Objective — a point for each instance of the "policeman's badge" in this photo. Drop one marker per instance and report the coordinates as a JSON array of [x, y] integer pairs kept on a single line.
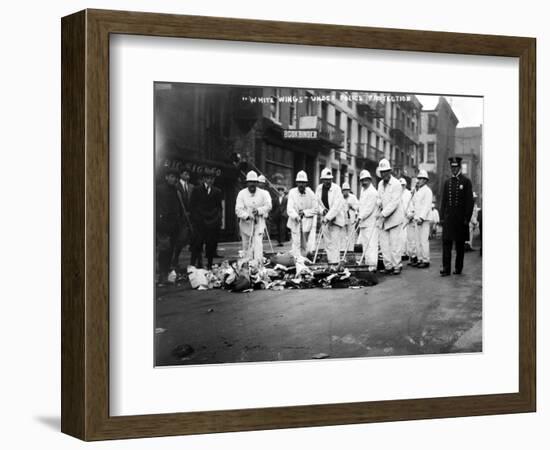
[[461, 186]]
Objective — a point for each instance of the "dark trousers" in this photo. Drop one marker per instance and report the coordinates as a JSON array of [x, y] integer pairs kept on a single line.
[[166, 243], [184, 238], [281, 229], [447, 250], [207, 238]]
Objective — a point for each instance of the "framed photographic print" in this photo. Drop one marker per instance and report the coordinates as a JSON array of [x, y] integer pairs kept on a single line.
[[271, 224]]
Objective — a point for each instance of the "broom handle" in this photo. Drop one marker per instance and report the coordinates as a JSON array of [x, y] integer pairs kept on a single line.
[[348, 240], [367, 247], [321, 234], [268, 238], [251, 242]]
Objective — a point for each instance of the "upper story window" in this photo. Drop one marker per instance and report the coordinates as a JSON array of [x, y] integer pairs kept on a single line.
[[292, 116], [324, 111], [310, 109], [275, 106], [431, 152], [432, 123]]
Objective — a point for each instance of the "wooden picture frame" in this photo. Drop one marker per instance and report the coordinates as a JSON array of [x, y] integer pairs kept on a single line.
[[85, 224]]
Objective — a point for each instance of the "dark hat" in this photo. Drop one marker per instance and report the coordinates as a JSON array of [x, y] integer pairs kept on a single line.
[[171, 171], [455, 161]]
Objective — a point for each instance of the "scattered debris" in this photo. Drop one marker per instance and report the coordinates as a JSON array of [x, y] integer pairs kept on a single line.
[[284, 259], [197, 277], [172, 276], [349, 339], [182, 350], [320, 356], [279, 271]]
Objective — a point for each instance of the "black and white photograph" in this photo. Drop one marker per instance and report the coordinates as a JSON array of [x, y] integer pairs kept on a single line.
[[296, 223]]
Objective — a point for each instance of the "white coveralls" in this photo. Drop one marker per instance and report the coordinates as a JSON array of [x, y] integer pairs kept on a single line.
[[392, 216], [423, 210], [300, 229], [351, 206], [434, 221], [473, 224], [408, 233], [252, 228], [368, 231], [333, 228]]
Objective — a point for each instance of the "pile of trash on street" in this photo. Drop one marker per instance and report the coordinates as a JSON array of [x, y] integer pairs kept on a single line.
[[277, 272]]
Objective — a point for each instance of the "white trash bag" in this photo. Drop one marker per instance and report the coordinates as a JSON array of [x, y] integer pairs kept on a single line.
[[197, 277]]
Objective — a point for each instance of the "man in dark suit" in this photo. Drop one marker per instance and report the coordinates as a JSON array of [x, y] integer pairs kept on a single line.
[[184, 189], [457, 203], [280, 216], [206, 217], [168, 221], [271, 221]]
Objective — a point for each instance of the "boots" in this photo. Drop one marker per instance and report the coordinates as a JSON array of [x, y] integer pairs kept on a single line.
[[196, 260], [413, 262]]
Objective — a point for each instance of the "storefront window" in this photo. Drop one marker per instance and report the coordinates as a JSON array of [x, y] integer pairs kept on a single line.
[[279, 165]]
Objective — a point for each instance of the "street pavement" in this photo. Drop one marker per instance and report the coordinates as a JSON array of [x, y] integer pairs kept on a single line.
[[417, 312]]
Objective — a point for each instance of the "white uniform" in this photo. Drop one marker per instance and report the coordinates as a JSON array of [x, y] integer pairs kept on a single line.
[[422, 210], [335, 215], [351, 206], [368, 231], [301, 229], [434, 220], [252, 229], [408, 233], [434, 216], [473, 224], [389, 196]]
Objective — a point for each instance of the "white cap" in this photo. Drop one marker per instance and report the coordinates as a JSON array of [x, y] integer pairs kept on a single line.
[[346, 186], [474, 194], [251, 176], [301, 176], [422, 174], [262, 179], [403, 181], [383, 165], [326, 174], [364, 174]]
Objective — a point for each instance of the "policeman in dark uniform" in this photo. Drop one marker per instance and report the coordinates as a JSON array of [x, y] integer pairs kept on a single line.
[[457, 205]]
